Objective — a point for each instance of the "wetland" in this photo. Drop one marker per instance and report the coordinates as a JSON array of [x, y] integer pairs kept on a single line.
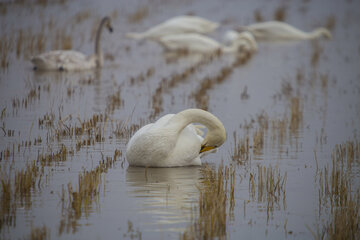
[[289, 169]]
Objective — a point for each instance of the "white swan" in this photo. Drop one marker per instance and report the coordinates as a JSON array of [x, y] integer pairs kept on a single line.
[[280, 31], [246, 37], [177, 25], [70, 60], [197, 43], [173, 140]]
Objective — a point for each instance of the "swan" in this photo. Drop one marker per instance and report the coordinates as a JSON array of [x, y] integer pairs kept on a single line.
[[197, 43], [177, 25], [70, 60], [248, 39], [280, 31], [174, 141]]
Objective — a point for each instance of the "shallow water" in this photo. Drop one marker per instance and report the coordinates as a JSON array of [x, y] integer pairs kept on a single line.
[[307, 93]]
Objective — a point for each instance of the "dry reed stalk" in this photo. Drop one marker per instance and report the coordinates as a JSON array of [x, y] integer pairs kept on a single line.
[[216, 196]]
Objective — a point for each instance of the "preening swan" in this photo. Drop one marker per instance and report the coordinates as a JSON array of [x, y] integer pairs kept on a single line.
[[246, 37], [173, 140], [197, 43], [280, 31], [70, 60], [177, 25]]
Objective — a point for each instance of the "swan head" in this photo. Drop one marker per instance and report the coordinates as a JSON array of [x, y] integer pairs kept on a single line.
[[322, 32], [107, 22], [214, 139]]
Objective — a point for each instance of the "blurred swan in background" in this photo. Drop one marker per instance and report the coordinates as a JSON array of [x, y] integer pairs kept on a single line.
[[249, 41], [197, 43], [177, 25], [174, 141], [280, 31], [70, 60]]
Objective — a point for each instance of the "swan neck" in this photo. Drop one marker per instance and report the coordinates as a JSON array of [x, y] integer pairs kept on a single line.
[[186, 117], [98, 51]]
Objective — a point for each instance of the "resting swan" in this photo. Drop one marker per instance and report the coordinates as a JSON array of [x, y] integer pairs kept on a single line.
[[177, 25], [173, 141], [70, 60], [280, 31], [197, 43]]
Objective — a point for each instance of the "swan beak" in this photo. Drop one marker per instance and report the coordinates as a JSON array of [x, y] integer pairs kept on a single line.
[[111, 29], [206, 148]]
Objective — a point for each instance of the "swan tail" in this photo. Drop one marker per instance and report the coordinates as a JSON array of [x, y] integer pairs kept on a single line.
[[135, 35]]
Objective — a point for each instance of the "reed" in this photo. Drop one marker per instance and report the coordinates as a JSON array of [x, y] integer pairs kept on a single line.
[[139, 15], [114, 101], [280, 14], [339, 193], [258, 141], [40, 233], [174, 80], [268, 185], [216, 204], [241, 152], [258, 16], [87, 192]]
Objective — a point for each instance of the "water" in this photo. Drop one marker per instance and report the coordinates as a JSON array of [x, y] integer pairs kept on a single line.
[[310, 106]]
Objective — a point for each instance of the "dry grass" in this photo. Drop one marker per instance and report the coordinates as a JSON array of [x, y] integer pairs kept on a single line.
[[241, 152], [269, 186], [40, 233], [338, 193], [316, 53], [173, 81], [296, 116], [49, 159], [17, 192], [216, 204], [114, 101], [258, 16], [82, 16], [6, 45], [331, 23], [138, 16], [280, 14], [81, 200], [258, 142]]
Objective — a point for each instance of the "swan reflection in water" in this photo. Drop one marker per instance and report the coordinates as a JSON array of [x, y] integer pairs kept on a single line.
[[167, 194]]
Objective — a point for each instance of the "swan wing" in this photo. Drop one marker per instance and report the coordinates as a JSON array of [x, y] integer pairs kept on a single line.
[[190, 42], [275, 31], [187, 148], [157, 146], [177, 25], [63, 59]]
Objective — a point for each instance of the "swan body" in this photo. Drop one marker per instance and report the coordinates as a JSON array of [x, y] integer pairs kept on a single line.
[[280, 31], [246, 38], [177, 25], [69, 60], [174, 140], [196, 43]]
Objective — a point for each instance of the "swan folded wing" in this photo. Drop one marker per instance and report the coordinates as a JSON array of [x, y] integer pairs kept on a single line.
[[72, 60], [190, 42], [62, 59]]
